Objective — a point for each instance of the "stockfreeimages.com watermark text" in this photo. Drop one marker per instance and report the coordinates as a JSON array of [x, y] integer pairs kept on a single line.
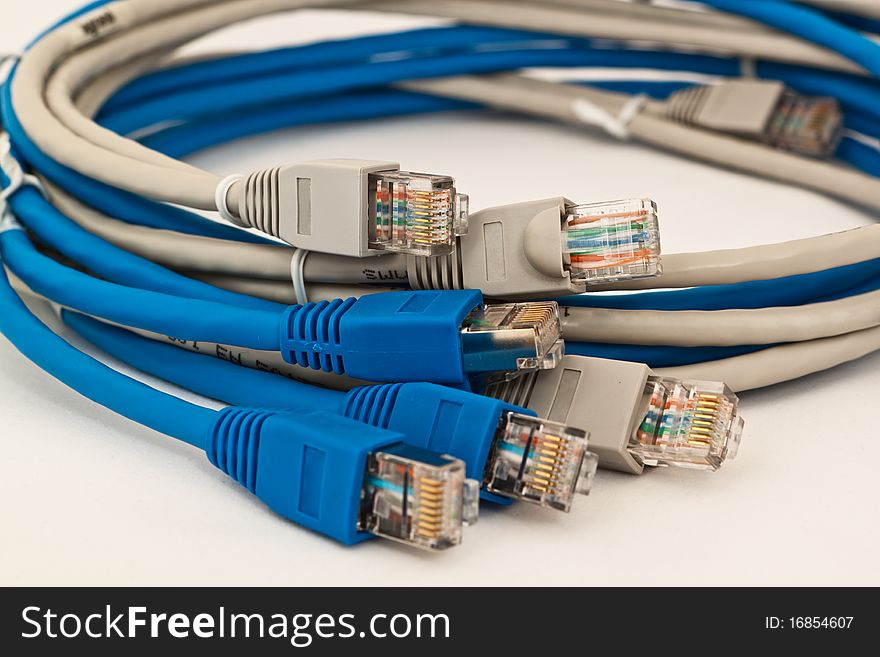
[[299, 629]]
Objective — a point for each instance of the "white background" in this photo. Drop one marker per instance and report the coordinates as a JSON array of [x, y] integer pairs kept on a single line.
[[87, 497]]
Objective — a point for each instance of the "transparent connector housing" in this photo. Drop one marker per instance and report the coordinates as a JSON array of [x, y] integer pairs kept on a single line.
[[512, 337], [808, 125], [690, 424], [418, 497], [417, 213], [539, 461], [612, 241]]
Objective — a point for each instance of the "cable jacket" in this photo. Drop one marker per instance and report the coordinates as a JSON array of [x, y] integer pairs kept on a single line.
[[117, 392], [204, 374]]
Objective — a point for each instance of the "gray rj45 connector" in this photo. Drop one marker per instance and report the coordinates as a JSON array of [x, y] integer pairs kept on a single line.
[[762, 110], [354, 208], [634, 417], [546, 248]]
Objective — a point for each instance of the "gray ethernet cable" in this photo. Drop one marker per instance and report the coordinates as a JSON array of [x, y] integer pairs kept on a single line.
[[546, 248], [354, 208], [762, 110], [634, 417]]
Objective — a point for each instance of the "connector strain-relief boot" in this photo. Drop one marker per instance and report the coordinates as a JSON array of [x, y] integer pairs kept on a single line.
[[234, 443]]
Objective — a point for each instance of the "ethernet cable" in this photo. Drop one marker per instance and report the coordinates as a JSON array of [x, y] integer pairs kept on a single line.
[[825, 252], [271, 361], [325, 472], [161, 312], [444, 336], [212, 255], [782, 363], [379, 206], [195, 253], [515, 455]]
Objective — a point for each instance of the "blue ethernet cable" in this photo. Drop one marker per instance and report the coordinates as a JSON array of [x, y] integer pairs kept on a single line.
[[132, 399], [201, 373], [653, 355], [828, 284], [312, 467], [210, 129], [425, 42], [657, 356], [863, 123], [863, 156], [238, 94], [442, 336], [113, 263], [860, 23], [810, 25], [207, 131], [113, 202], [163, 313], [464, 425], [577, 53]]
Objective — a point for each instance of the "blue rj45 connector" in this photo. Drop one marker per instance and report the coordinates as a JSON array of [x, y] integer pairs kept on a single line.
[[439, 336], [342, 478]]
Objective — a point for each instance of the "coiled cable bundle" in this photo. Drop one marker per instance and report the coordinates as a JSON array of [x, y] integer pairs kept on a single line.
[[103, 217]]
